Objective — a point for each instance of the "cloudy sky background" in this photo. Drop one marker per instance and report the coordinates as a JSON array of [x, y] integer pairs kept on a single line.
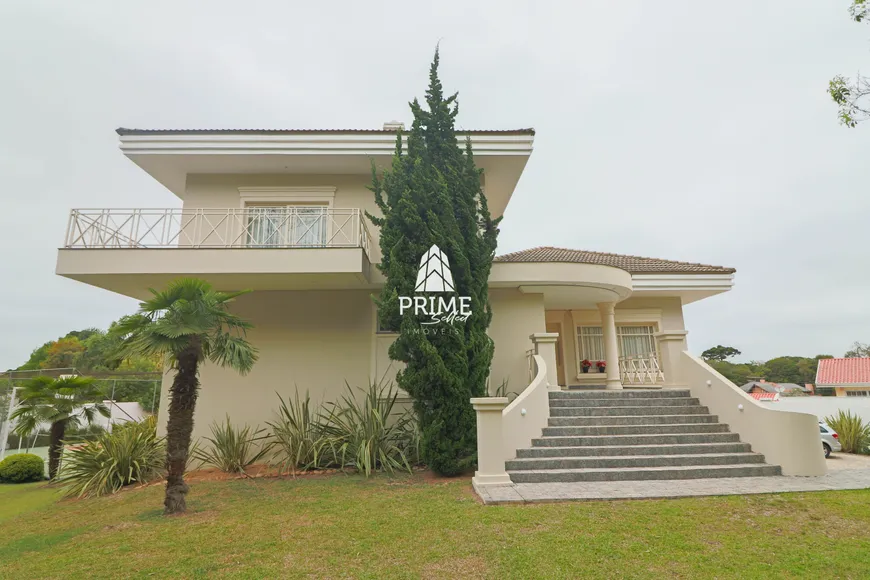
[[695, 131]]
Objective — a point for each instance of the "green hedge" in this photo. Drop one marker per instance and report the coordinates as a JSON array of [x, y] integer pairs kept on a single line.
[[21, 468]]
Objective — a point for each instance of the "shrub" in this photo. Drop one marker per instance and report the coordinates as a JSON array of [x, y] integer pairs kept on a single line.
[[297, 436], [364, 436], [854, 433], [21, 468], [233, 450], [131, 454]]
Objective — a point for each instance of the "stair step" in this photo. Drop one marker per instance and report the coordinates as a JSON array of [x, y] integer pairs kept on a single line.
[[623, 394], [630, 420], [660, 429], [626, 402], [634, 450], [643, 473], [659, 439], [623, 461], [623, 411]]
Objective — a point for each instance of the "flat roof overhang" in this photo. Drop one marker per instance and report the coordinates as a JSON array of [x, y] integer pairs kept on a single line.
[[169, 156], [689, 287], [132, 272]]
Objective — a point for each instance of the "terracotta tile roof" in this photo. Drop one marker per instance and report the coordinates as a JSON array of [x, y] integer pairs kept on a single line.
[[126, 131], [843, 371], [764, 396], [631, 264]]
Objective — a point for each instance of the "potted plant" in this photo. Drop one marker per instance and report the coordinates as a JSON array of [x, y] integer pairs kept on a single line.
[[601, 366], [585, 365]]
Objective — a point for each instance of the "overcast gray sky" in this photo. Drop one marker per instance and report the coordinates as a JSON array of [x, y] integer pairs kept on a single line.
[[688, 130]]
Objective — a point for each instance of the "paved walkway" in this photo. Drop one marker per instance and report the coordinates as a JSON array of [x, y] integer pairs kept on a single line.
[[842, 478]]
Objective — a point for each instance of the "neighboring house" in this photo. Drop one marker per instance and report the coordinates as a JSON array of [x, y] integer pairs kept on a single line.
[[764, 396], [282, 212], [848, 377], [766, 387]]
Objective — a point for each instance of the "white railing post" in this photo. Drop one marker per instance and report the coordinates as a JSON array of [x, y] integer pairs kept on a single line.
[[490, 442]]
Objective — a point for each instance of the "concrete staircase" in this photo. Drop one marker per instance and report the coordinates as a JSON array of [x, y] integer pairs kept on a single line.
[[633, 435]]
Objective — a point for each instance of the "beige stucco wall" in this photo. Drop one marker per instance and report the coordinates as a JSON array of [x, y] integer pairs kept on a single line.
[[222, 191], [313, 340], [515, 316], [318, 339]]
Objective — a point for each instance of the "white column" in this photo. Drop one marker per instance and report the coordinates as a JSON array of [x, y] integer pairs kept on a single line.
[[611, 347], [671, 345], [490, 442], [545, 347]]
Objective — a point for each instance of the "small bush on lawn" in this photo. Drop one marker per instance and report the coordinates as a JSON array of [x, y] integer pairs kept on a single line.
[[231, 449], [132, 453], [362, 434], [853, 431], [22, 468], [297, 435]]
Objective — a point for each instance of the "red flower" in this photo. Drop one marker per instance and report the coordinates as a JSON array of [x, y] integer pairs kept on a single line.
[[586, 363], [601, 364]]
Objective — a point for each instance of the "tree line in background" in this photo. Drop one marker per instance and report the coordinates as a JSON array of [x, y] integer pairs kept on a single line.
[[98, 352], [783, 369]]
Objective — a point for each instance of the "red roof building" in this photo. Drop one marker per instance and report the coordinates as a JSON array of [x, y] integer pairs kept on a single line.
[[847, 376]]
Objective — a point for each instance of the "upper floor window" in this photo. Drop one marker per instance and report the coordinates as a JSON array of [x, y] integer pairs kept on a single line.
[[287, 225]]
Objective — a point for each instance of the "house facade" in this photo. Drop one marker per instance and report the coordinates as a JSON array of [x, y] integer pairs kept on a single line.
[[283, 213], [847, 377]]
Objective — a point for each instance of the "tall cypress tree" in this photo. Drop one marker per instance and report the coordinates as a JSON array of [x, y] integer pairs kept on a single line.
[[432, 195]]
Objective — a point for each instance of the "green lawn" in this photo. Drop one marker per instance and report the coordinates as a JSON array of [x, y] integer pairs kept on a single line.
[[342, 527]]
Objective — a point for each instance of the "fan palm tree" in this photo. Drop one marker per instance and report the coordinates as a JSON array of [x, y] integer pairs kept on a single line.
[[189, 322], [62, 402]]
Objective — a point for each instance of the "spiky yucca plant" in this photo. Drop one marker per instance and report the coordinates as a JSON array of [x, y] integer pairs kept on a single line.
[[232, 449], [367, 434], [133, 453], [853, 431], [297, 435]]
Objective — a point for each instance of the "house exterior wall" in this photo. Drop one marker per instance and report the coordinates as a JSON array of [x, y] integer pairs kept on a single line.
[[310, 340], [515, 316], [317, 340]]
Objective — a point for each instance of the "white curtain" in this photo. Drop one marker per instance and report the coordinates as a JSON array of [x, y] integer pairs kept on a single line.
[[267, 226], [636, 340], [286, 226], [591, 341], [309, 226], [632, 340]]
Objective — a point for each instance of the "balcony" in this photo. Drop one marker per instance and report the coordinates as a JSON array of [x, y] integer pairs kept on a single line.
[[264, 248]]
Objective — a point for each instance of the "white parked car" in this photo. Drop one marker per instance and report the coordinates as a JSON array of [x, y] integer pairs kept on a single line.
[[830, 439]]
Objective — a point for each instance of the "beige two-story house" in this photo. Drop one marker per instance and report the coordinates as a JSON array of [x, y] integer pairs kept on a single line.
[[282, 212]]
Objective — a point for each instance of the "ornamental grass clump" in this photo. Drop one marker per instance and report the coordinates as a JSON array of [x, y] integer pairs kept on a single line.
[[297, 436], [366, 434], [132, 453], [854, 433], [232, 449]]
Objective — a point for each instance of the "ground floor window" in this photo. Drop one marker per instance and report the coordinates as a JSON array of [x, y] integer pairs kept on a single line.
[[858, 393], [634, 340]]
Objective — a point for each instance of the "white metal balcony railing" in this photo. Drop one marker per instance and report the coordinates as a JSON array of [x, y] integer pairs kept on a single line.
[[640, 370], [260, 227]]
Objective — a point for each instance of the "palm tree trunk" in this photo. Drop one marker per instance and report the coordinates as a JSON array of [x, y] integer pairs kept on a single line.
[[182, 401], [55, 447]]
